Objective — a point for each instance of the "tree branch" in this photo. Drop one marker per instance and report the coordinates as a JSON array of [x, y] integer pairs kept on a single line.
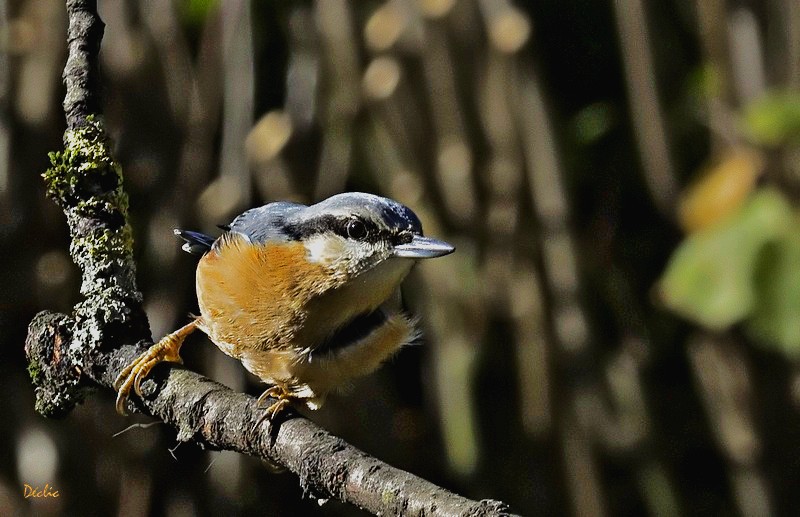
[[81, 75], [68, 355]]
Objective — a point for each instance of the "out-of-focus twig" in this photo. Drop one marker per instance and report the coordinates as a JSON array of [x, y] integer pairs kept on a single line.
[[40, 25], [335, 22], [723, 376], [454, 157], [746, 55], [646, 112], [581, 470], [568, 319], [231, 190], [507, 122]]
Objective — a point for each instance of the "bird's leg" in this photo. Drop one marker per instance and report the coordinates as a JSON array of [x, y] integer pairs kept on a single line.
[[279, 392], [165, 350]]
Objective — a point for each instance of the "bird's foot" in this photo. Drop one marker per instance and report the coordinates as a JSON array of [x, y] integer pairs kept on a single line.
[[167, 349], [277, 392]]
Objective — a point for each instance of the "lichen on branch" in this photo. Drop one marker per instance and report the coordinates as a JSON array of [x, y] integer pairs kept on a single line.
[[86, 182]]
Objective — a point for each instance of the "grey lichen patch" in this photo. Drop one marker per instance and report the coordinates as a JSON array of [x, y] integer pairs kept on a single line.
[[95, 320], [104, 256]]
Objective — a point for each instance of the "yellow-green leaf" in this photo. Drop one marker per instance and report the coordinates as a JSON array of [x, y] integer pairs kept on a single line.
[[776, 317], [774, 119], [711, 277]]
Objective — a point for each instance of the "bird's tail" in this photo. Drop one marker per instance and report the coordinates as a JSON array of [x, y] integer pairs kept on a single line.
[[195, 243]]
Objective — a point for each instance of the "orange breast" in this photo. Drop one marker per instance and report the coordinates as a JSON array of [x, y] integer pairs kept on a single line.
[[253, 297], [267, 306]]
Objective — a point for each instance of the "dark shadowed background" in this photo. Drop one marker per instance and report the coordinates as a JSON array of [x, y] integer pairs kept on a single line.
[[619, 330]]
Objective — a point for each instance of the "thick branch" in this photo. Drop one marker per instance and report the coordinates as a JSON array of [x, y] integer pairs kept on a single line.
[[109, 329]]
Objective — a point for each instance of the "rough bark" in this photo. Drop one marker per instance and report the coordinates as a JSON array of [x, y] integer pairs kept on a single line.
[[70, 355]]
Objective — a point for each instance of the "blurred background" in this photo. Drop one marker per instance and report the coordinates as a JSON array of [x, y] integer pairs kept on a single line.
[[619, 330]]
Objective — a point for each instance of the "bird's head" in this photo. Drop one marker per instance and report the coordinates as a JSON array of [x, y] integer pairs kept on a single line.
[[354, 232]]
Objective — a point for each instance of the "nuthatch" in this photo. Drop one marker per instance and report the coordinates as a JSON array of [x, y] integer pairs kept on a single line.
[[301, 295]]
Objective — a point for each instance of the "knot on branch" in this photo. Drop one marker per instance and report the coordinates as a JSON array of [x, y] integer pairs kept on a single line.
[[58, 381]]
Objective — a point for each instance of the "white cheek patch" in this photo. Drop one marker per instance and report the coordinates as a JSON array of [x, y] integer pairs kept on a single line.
[[326, 248]]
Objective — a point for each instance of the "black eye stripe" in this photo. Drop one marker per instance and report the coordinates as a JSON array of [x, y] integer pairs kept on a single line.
[[342, 226]]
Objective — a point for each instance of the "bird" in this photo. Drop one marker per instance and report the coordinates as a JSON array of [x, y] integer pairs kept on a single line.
[[306, 297]]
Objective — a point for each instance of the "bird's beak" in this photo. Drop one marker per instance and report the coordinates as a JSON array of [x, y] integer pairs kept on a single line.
[[423, 247]]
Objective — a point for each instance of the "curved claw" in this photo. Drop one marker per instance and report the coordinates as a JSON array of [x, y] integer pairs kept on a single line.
[[141, 373], [272, 392], [122, 398], [284, 399]]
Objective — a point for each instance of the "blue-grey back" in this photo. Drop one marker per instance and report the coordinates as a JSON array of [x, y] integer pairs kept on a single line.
[[266, 222]]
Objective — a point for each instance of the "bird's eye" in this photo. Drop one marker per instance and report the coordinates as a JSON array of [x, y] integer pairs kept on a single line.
[[356, 229]]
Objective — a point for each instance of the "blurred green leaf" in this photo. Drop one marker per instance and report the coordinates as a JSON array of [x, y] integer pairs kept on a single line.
[[195, 12], [774, 119], [705, 82], [711, 277], [776, 317], [593, 122]]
